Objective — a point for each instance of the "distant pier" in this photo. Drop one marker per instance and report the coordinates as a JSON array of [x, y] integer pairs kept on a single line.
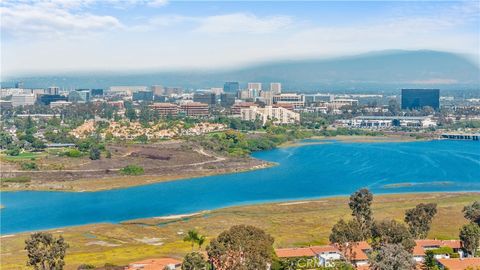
[[461, 136]]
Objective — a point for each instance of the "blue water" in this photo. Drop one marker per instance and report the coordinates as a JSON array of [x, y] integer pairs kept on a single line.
[[304, 172]]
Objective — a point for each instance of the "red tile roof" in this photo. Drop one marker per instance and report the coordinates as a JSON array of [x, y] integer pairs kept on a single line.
[[294, 252], [460, 264], [419, 249], [304, 251]]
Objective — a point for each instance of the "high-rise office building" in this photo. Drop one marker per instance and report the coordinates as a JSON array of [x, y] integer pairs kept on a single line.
[[231, 87], [255, 86], [419, 98], [276, 88]]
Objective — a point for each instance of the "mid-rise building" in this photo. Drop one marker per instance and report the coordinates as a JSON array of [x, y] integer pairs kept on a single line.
[[60, 104], [255, 86], [79, 96], [205, 97], [227, 99], [158, 90], [277, 115], [339, 103], [231, 87], [173, 91], [125, 90], [165, 109], [96, 92], [53, 90], [195, 109], [382, 122], [23, 100], [298, 101], [276, 88], [414, 99], [238, 106], [142, 96], [19, 85], [47, 99]]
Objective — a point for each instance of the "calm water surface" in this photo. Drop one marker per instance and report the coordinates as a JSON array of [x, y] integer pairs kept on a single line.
[[304, 172]]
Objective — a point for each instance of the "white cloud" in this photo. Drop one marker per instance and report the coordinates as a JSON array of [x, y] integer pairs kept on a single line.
[[242, 23], [53, 18], [157, 3]]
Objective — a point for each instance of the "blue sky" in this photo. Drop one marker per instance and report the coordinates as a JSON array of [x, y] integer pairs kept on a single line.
[[109, 35]]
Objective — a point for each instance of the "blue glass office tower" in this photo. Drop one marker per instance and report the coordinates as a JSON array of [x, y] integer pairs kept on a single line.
[[419, 98], [231, 87]]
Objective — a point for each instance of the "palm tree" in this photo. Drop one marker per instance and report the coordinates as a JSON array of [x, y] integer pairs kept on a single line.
[[192, 236], [201, 239]]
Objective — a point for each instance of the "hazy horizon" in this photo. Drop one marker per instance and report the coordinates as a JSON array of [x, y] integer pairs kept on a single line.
[[59, 36]]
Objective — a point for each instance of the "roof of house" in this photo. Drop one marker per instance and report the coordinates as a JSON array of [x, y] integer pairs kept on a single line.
[[153, 264], [304, 251], [460, 264], [294, 252], [419, 249]]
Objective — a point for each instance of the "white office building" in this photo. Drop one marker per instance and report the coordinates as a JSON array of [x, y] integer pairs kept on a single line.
[[255, 86], [23, 99], [276, 88], [269, 113]]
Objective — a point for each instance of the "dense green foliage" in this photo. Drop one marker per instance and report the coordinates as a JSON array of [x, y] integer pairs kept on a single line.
[[242, 247], [420, 218], [29, 166], [194, 261], [132, 170], [472, 212], [470, 236], [361, 206], [45, 252]]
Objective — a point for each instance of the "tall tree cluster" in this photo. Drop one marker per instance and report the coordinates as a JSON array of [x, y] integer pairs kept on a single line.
[[420, 218]]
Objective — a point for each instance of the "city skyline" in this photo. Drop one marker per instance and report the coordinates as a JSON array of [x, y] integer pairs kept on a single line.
[[59, 36]]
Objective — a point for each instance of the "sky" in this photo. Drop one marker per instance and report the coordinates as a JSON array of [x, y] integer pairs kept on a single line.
[[48, 36]]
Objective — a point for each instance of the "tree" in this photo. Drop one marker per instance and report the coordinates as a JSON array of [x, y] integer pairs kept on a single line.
[[94, 153], [472, 212], [242, 247], [192, 236], [360, 203], [5, 139], [391, 257], [38, 145], [194, 261], [45, 252], [420, 218], [391, 232], [430, 263], [345, 235], [470, 236]]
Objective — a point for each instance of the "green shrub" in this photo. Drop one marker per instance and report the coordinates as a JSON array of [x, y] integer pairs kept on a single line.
[[13, 151], [19, 179], [29, 166], [73, 153], [132, 170]]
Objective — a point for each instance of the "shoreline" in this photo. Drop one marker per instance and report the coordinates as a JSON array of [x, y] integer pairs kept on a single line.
[[353, 139], [279, 202], [292, 223]]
